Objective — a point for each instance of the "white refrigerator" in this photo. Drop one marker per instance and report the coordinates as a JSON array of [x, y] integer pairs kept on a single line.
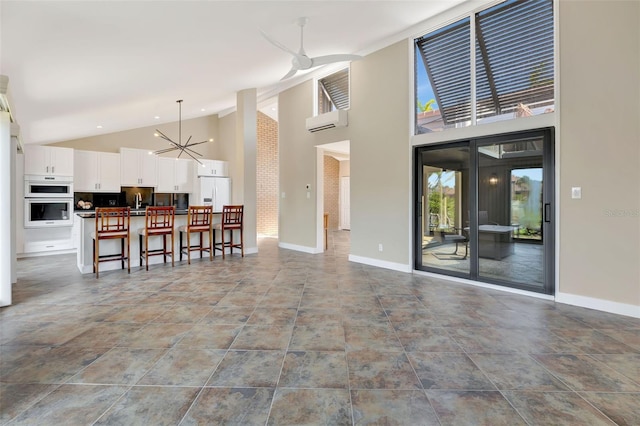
[[212, 191]]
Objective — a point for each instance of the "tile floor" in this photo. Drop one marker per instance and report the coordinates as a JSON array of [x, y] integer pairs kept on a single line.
[[284, 337]]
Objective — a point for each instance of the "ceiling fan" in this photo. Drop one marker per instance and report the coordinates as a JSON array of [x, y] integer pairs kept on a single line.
[[300, 59]]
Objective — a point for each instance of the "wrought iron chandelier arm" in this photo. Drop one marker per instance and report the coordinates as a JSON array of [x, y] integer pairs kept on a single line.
[[183, 148]]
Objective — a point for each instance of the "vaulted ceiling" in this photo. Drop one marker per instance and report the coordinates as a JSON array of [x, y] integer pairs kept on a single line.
[[74, 66]]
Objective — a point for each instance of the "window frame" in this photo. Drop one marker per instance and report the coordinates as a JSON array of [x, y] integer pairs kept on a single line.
[[472, 14], [317, 81]]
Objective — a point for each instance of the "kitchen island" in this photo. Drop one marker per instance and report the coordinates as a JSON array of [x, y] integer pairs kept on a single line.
[[87, 225]]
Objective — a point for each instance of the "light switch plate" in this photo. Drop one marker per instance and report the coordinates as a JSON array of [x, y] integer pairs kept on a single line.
[[576, 192]]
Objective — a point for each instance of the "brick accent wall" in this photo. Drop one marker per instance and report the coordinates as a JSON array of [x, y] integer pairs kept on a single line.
[[267, 176], [331, 190]]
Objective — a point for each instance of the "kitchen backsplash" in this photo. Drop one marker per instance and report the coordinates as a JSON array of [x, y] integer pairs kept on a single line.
[[127, 197]]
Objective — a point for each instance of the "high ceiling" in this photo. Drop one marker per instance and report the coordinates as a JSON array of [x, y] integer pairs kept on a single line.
[[74, 66]]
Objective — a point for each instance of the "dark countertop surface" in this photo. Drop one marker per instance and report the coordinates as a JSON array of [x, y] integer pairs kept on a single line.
[[87, 214]]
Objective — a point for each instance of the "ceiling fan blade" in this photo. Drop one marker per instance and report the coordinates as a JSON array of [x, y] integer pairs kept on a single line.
[[329, 59], [291, 72], [277, 44]]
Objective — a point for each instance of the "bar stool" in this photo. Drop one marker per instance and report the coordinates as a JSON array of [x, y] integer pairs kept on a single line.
[[158, 222], [231, 220], [111, 223], [199, 221]]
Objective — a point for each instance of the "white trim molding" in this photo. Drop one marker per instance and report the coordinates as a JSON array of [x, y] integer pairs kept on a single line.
[[401, 267], [599, 304], [304, 249], [484, 285]]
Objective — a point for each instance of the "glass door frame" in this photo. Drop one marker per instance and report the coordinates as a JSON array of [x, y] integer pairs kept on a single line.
[[548, 210]]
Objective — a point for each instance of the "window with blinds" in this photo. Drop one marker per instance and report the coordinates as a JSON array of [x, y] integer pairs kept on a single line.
[[514, 66], [333, 92]]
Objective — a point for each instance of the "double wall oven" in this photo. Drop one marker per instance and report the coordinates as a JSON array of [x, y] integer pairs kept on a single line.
[[48, 201]]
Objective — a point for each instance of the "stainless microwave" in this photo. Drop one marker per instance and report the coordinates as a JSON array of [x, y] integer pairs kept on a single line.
[[48, 212], [48, 186]]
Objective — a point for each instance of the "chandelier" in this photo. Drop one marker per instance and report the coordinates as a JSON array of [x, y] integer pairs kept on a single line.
[[186, 148]]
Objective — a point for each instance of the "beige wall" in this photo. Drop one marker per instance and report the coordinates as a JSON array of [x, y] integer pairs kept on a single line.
[[297, 223], [381, 155], [600, 149], [380, 159], [345, 168]]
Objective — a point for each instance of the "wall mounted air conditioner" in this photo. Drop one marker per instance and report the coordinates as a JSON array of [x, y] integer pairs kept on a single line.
[[328, 120]]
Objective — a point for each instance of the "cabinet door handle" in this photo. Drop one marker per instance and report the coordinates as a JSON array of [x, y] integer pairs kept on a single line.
[[53, 169], [47, 169]]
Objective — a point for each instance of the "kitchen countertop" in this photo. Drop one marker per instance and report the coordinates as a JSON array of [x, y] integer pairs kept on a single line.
[[87, 214]]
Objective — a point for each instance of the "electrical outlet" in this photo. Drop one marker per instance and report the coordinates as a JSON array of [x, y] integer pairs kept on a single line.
[[380, 247]]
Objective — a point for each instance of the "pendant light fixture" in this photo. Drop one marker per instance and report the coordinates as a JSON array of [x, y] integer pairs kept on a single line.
[[186, 148]]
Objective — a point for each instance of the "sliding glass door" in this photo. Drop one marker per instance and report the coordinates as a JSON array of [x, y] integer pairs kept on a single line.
[[485, 212], [444, 197]]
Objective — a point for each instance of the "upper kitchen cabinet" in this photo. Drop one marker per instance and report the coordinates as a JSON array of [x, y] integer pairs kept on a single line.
[[175, 175], [213, 168], [96, 171], [48, 160], [138, 167]]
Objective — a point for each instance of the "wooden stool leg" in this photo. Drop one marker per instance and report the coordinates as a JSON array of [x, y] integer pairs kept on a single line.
[[189, 248], [211, 244], [128, 255], [164, 248], [222, 240], [180, 236], [141, 248], [146, 251], [172, 253], [95, 257]]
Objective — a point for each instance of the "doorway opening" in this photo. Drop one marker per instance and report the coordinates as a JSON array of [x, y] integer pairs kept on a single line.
[[334, 202]]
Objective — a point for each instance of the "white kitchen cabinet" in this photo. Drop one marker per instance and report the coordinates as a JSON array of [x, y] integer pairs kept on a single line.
[[96, 171], [138, 167], [48, 160], [175, 175], [49, 240], [213, 168]]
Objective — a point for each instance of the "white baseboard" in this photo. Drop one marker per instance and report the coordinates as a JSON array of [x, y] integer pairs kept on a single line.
[[44, 253], [484, 285], [304, 249], [599, 304], [401, 267]]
